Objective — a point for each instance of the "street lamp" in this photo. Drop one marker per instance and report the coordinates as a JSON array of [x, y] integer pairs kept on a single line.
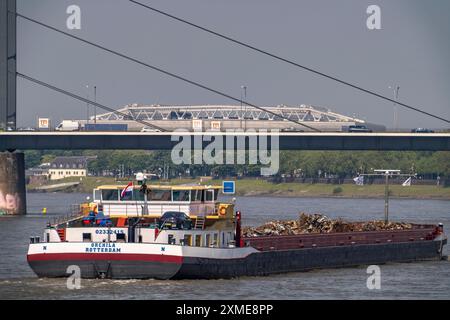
[[95, 107], [387, 174], [87, 104], [396, 88], [244, 88]]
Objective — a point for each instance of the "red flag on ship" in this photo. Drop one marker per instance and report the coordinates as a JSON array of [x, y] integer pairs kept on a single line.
[[128, 188]]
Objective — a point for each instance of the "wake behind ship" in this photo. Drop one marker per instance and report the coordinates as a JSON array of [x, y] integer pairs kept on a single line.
[[181, 232]]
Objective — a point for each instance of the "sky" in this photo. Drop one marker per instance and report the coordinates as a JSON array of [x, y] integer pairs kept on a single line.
[[411, 50]]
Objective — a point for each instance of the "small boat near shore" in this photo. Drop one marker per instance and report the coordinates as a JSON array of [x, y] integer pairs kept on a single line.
[[184, 232]]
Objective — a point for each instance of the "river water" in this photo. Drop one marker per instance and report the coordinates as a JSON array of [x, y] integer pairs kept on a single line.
[[424, 280]]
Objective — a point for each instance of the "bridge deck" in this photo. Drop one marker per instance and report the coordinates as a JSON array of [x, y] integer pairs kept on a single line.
[[163, 140]]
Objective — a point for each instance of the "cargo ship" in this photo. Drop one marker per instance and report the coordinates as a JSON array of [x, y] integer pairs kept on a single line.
[[184, 232]]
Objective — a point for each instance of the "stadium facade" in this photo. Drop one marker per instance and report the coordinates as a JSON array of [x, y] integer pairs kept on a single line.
[[223, 117]]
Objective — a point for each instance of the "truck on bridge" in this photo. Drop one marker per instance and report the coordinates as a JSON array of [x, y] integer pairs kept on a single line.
[[68, 125]]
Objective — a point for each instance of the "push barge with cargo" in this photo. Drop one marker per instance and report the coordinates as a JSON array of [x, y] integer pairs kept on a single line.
[[185, 232]]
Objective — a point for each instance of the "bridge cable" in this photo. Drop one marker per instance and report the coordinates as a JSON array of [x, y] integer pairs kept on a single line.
[[173, 75], [44, 84], [293, 63]]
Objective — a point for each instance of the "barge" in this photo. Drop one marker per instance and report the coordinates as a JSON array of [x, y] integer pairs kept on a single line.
[[184, 232]]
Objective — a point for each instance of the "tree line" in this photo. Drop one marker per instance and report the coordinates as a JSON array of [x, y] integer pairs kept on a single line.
[[307, 164]]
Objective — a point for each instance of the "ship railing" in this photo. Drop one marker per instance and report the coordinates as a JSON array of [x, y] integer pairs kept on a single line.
[[74, 209], [67, 218], [137, 209]]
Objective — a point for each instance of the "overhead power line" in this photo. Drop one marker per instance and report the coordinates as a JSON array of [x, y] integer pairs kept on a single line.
[[44, 84], [173, 75], [293, 63]]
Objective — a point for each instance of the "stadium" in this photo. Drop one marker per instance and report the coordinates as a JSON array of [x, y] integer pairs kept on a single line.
[[227, 117]]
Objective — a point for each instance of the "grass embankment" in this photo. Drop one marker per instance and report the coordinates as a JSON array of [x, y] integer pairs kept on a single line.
[[259, 187]]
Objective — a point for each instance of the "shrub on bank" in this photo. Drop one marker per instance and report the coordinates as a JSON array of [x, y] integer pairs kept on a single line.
[[337, 190]]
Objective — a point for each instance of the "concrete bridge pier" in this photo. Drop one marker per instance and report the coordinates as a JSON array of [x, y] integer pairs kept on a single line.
[[13, 199]]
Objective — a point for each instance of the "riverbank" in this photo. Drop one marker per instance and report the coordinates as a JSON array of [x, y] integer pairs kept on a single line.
[[259, 187], [263, 188]]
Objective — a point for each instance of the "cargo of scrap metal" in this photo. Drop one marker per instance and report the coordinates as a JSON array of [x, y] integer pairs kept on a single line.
[[316, 230], [317, 223]]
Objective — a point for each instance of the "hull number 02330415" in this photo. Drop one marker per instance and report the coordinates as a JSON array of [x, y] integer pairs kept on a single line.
[[106, 231]]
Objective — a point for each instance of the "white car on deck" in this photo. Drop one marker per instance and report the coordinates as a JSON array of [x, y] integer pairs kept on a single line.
[[148, 129]]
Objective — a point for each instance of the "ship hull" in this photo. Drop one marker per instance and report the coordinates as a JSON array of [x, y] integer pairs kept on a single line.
[[283, 261], [212, 263], [92, 267], [105, 260]]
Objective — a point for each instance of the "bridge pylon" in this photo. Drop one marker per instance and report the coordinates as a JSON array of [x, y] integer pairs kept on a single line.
[[12, 184], [12, 164], [8, 64]]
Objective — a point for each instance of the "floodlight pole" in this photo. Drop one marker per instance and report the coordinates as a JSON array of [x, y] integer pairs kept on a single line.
[[387, 174], [144, 190], [386, 197]]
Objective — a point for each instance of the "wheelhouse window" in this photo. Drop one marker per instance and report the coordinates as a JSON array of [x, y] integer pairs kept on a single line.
[[137, 195], [210, 195], [194, 195], [180, 195], [128, 196], [160, 195], [198, 196], [97, 195], [110, 195]]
